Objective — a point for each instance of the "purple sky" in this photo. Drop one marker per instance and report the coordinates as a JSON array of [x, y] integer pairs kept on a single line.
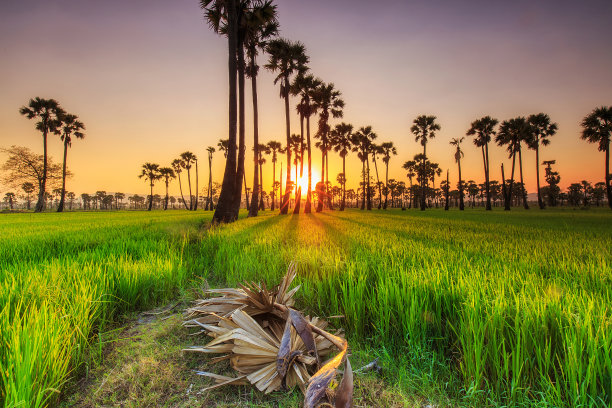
[[148, 78]]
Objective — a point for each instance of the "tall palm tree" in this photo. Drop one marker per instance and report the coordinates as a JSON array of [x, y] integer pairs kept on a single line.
[[424, 128], [167, 174], [178, 165], [388, 149], [46, 111], [377, 149], [295, 144], [342, 141], [261, 25], [327, 101], [484, 130], [597, 128], [209, 203], [150, 172], [70, 127], [542, 129], [458, 155], [187, 161], [286, 58], [222, 16], [274, 148], [305, 86], [362, 140], [263, 149], [410, 166], [511, 133]]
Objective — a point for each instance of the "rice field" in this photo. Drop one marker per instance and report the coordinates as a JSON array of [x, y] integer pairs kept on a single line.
[[515, 306]]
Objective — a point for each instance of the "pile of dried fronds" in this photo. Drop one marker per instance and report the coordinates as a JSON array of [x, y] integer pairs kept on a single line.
[[270, 344]]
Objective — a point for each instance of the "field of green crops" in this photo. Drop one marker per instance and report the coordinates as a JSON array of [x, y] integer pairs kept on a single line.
[[516, 307]]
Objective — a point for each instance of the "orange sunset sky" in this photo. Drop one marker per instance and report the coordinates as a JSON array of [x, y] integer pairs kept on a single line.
[[149, 79]]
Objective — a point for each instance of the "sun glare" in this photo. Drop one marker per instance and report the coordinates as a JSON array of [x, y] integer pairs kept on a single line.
[[302, 182]]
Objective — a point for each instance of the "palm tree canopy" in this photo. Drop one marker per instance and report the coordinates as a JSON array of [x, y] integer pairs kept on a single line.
[[341, 138], [273, 147], [166, 173], [259, 25], [305, 86], [150, 171], [512, 132], [177, 165], [187, 158], [286, 58], [483, 129], [458, 152], [542, 128], [388, 149], [70, 126], [424, 128], [597, 127]]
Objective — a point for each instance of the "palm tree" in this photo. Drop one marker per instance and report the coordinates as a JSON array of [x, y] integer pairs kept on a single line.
[[47, 111], [167, 174], [362, 140], [484, 130], [286, 58], [542, 129], [28, 188], [295, 144], [260, 26], [424, 128], [342, 141], [118, 198], [70, 126], [187, 160], [377, 149], [388, 149], [511, 133], [222, 16], [273, 147], [597, 128], [410, 166], [150, 172], [305, 86], [177, 166], [458, 155], [209, 204], [327, 101]]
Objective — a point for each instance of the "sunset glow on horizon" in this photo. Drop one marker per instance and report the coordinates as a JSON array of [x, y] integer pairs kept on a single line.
[[149, 80]]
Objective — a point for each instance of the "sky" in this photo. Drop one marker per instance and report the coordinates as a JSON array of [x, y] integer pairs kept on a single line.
[[149, 79]]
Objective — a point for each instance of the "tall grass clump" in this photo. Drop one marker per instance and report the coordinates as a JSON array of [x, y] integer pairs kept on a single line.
[[66, 277]]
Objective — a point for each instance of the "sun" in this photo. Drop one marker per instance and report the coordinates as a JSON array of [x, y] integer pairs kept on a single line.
[[302, 182]]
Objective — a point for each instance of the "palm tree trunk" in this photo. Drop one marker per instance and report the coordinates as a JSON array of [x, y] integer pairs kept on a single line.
[[280, 181], [485, 157], [461, 204], [255, 197], [241, 130], [42, 184], [181, 188], [195, 207], [363, 176], [525, 205], [209, 205], [320, 199], [167, 196], [329, 202], [190, 194], [60, 207], [261, 205], [377, 182], [509, 201], [343, 183], [246, 191], [386, 184], [608, 187], [151, 198], [540, 201], [505, 190], [423, 178], [223, 212], [369, 199], [285, 204], [298, 194], [307, 207], [261, 201], [447, 192]]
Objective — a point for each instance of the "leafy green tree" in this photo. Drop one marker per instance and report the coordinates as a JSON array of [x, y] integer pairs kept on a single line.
[[597, 128], [424, 128], [598, 192]]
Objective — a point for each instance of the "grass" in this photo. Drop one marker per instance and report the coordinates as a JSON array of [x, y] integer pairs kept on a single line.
[[472, 308]]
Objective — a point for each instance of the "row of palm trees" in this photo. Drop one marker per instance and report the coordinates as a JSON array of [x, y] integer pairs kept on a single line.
[[53, 119], [251, 27]]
